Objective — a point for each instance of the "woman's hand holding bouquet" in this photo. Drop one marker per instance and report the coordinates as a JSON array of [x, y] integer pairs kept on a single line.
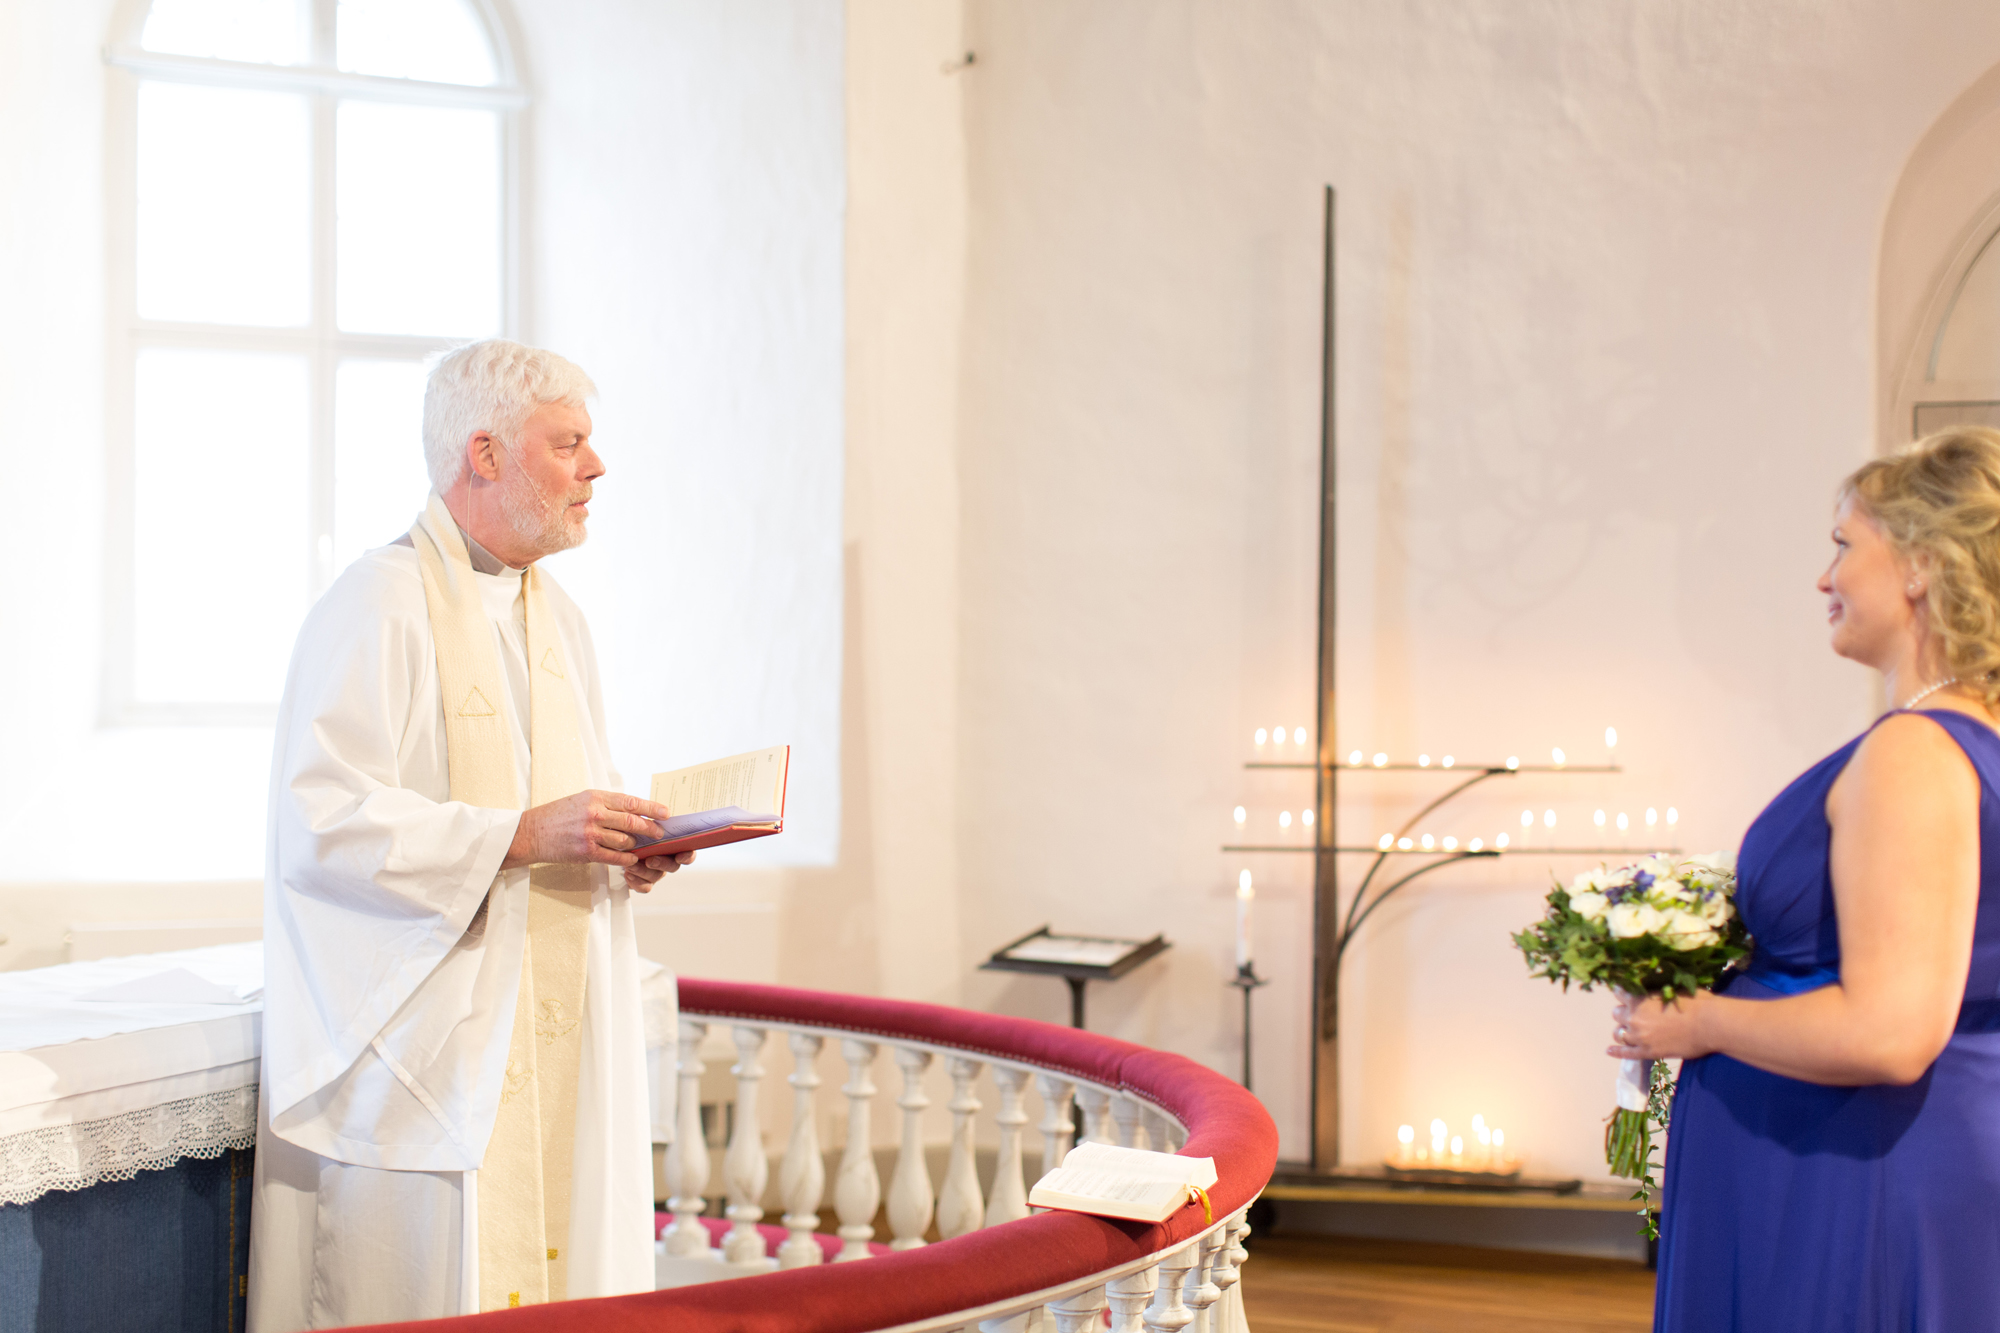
[[1657, 928]]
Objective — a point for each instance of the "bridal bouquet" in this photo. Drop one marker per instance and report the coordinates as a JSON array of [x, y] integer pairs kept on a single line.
[[1656, 927]]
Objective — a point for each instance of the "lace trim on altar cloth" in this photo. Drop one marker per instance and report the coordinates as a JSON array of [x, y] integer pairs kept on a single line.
[[119, 1147]]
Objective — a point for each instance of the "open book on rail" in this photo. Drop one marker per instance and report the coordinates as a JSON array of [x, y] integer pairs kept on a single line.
[[1110, 1181], [724, 800]]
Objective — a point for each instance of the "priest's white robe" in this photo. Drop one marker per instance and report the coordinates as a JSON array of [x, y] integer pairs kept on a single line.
[[393, 948]]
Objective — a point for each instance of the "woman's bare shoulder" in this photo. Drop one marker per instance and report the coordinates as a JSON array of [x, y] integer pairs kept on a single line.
[[1907, 748]]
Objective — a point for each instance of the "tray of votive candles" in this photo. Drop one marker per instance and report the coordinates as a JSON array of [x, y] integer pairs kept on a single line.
[[1450, 1159]]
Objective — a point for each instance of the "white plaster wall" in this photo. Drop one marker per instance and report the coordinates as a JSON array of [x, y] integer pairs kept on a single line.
[[51, 373], [1606, 328], [686, 179]]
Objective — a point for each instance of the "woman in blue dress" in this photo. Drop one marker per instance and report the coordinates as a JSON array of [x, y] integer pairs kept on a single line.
[[1834, 1157]]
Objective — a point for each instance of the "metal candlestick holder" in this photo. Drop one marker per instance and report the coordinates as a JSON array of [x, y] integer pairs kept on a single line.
[[1247, 980]]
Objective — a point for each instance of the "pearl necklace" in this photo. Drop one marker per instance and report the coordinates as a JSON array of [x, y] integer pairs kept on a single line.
[[1927, 692]]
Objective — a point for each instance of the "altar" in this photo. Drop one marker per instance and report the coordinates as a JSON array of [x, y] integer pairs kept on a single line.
[[128, 1120], [126, 1129]]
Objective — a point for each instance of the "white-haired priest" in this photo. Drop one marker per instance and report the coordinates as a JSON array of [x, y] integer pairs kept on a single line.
[[455, 1113]]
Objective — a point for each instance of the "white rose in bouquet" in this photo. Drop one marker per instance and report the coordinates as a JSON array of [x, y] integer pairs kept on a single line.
[[1629, 920], [1686, 930], [1589, 905]]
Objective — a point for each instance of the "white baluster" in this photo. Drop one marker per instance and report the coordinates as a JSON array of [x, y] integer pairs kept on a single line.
[[857, 1190], [1128, 1296], [1229, 1274], [1082, 1312], [1161, 1131], [1200, 1291], [1057, 1127], [1224, 1268], [1125, 1113], [1168, 1313], [744, 1166], [1010, 1192], [910, 1186], [1096, 1104], [802, 1177], [687, 1158], [960, 1209]]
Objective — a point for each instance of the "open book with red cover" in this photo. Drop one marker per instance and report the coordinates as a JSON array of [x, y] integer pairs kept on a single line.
[[724, 800]]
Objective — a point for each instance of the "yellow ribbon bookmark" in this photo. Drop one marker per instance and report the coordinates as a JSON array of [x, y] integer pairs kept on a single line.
[[1198, 1194]]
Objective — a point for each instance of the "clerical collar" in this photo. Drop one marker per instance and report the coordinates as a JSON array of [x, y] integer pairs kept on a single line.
[[483, 560]]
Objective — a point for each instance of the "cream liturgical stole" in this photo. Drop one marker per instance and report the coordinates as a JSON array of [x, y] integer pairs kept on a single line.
[[523, 1186]]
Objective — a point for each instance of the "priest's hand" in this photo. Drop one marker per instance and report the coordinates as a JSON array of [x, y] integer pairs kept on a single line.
[[591, 827], [646, 874]]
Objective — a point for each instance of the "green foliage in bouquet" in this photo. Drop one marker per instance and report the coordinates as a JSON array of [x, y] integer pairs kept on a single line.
[[1655, 928], [1672, 952]]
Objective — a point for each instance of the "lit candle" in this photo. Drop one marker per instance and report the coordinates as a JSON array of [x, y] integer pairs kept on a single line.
[[1277, 735], [1557, 755], [1673, 816], [1306, 817], [1354, 758], [1548, 818], [1475, 844], [1298, 735], [1244, 893], [1457, 1149], [1423, 761], [1381, 759], [1427, 842], [1449, 761], [1501, 842], [1284, 819], [1405, 1136], [1611, 738], [1262, 736], [1437, 1138], [1513, 761], [1388, 841]]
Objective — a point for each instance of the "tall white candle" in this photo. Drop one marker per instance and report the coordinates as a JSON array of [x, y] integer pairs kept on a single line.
[[1244, 895]]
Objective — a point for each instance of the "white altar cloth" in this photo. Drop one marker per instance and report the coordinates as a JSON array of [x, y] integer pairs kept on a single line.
[[96, 1090]]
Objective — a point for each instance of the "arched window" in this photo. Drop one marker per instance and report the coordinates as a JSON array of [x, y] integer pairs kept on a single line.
[[308, 198], [1960, 377]]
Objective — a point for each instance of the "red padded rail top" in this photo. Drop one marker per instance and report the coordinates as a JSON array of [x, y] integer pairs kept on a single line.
[[994, 1264]]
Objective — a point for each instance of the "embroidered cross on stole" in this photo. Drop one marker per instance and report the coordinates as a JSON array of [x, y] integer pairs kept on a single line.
[[523, 1194]]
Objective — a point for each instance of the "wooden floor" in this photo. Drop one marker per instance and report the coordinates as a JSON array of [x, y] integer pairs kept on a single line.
[[1296, 1283]]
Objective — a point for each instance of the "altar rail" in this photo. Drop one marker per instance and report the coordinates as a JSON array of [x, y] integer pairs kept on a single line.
[[997, 1268]]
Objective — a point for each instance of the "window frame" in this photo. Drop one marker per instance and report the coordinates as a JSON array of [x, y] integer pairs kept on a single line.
[[323, 345]]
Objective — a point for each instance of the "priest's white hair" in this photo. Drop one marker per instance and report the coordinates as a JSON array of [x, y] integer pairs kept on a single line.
[[494, 386]]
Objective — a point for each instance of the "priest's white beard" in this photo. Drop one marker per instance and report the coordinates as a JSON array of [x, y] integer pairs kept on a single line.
[[537, 519]]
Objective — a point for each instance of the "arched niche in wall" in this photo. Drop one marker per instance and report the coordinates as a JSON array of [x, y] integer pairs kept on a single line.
[[1938, 292]]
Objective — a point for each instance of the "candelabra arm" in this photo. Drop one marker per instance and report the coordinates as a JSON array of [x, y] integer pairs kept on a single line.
[[1352, 923], [1469, 783], [1348, 933]]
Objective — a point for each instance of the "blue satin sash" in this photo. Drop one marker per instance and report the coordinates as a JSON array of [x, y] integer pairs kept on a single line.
[[1974, 1016], [1789, 980]]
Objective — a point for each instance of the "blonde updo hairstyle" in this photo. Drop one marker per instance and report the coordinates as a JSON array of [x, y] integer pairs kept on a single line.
[[1938, 503]]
